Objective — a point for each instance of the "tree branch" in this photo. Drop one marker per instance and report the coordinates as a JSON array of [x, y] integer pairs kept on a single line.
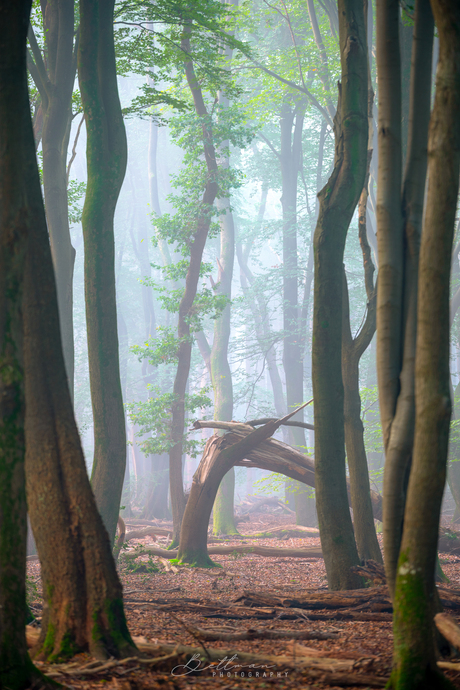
[[37, 68]]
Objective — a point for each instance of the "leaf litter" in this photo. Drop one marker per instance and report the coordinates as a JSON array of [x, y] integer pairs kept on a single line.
[[176, 608]]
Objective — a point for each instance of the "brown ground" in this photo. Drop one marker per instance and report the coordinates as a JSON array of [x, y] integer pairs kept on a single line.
[[368, 643]]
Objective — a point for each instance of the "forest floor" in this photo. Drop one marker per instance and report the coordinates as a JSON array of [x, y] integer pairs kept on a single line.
[[166, 607]]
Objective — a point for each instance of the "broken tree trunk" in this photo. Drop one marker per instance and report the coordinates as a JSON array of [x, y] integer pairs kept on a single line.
[[275, 456], [244, 447], [220, 454]]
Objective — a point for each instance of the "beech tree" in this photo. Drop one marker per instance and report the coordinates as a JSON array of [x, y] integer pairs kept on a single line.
[[415, 592], [17, 220], [53, 74], [338, 201], [106, 165], [399, 219], [84, 609]]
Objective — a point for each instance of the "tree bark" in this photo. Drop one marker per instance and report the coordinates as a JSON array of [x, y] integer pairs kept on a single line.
[[352, 350], [337, 204], [17, 221], [414, 600], [61, 63], [399, 218], [84, 609], [54, 79], [106, 165], [197, 244], [221, 375], [219, 454]]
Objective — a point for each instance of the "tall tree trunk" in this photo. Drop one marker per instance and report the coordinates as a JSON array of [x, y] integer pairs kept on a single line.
[[223, 522], [17, 220], [223, 511], [55, 81], [352, 350], [414, 640], [399, 218], [62, 64], [197, 244], [290, 160], [106, 165], [338, 201], [84, 609]]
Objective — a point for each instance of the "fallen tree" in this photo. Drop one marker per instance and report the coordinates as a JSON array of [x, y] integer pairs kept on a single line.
[[311, 552], [241, 446]]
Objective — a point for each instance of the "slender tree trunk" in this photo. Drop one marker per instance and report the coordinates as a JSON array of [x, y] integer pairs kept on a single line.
[[338, 201], [106, 164], [290, 159], [191, 283], [54, 79], [61, 67], [399, 218], [17, 166], [223, 512], [352, 350], [414, 639], [223, 522]]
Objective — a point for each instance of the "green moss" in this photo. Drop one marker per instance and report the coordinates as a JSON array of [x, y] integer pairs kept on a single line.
[[196, 559], [67, 649], [414, 653], [48, 644]]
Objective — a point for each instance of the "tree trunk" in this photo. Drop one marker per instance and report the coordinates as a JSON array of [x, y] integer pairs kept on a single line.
[[337, 204], [219, 454], [191, 283], [414, 600], [352, 350], [17, 220], [84, 609], [221, 375], [54, 80], [290, 160], [61, 63], [399, 221], [106, 165]]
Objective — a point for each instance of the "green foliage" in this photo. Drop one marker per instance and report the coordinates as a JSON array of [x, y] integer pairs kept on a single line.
[[153, 417], [150, 35], [75, 195], [142, 567]]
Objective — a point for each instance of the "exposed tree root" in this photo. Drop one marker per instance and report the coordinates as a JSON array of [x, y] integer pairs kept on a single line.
[[284, 532], [311, 552]]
